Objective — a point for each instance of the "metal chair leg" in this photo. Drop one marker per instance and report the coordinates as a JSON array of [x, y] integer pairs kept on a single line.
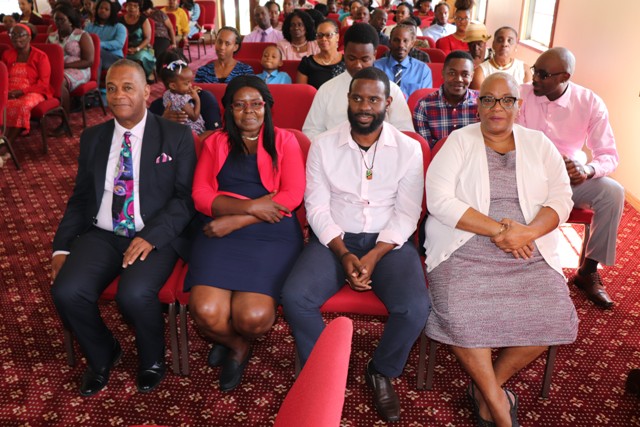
[[548, 371], [431, 366], [184, 340], [583, 251], [173, 339], [422, 361], [11, 152], [68, 346]]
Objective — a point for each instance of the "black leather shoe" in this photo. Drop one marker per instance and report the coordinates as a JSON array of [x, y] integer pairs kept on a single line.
[[94, 381], [231, 373], [151, 377], [384, 397], [217, 355]]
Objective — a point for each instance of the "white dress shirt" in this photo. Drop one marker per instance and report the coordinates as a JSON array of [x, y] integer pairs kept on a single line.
[[104, 219], [458, 179], [437, 31], [329, 107], [340, 199]]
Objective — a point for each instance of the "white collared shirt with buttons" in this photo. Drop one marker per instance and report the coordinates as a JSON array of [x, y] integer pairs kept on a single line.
[[339, 198]]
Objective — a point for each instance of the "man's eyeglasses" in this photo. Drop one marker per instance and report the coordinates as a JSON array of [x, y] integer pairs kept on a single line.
[[507, 102], [242, 106], [544, 75], [325, 35]]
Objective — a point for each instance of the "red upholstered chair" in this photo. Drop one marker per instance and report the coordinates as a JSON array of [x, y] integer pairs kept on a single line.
[[91, 88], [287, 114], [5, 39], [418, 95], [198, 38], [430, 40], [433, 345], [251, 50], [209, 9], [167, 295], [40, 38], [435, 54], [3, 47], [381, 50], [217, 89], [254, 63], [436, 73], [317, 396], [290, 66], [42, 28], [584, 217], [52, 106], [4, 98]]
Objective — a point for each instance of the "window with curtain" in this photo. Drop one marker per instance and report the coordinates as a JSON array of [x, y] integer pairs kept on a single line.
[[539, 20], [480, 11]]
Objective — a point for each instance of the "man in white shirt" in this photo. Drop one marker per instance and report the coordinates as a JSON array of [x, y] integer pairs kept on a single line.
[[363, 198], [440, 27], [264, 32], [329, 107]]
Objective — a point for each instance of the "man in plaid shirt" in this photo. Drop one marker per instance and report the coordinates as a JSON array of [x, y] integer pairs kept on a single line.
[[453, 106]]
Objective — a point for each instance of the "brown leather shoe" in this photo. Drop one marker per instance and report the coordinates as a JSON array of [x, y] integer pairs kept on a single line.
[[592, 286], [384, 397]]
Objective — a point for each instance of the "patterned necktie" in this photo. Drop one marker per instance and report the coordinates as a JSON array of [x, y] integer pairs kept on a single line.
[[122, 205], [397, 75], [263, 37]]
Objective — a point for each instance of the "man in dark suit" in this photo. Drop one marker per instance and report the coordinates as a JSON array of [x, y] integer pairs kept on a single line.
[[127, 216]]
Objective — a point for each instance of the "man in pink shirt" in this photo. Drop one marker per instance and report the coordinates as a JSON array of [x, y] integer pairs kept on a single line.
[[263, 32], [573, 117]]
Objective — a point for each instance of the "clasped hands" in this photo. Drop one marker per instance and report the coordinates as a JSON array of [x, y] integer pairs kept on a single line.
[[576, 170], [358, 271], [263, 208], [516, 239]]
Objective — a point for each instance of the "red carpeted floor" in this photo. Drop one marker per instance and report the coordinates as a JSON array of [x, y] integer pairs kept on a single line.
[[37, 388]]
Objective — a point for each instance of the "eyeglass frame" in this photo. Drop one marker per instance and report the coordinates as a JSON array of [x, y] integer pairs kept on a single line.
[[546, 74], [242, 105], [325, 35], [14, 35], [496, 100]]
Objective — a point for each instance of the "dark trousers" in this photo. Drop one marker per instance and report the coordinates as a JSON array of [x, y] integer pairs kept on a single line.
[[107, 59], [398, 280], [95, 260]]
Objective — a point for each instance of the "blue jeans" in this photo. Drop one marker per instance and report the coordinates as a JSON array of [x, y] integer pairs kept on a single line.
[[398, 280]]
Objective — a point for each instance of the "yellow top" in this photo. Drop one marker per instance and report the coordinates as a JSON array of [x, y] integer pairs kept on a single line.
[[182, 20]]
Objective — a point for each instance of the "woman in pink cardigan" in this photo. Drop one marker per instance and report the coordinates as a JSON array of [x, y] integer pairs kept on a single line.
[[249, 180]]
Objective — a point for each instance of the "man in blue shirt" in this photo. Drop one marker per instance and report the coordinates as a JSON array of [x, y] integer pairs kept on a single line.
[[405, 71]]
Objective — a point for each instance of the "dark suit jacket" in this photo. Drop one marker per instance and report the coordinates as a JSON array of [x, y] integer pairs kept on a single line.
[[165, 188]]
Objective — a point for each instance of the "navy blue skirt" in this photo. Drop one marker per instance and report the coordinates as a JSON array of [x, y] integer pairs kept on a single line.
[[256, 258]]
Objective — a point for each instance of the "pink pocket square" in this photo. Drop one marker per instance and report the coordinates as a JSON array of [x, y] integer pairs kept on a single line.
[[163, 158]]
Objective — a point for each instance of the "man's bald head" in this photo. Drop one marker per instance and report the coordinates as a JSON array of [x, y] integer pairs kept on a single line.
[[564, 57]]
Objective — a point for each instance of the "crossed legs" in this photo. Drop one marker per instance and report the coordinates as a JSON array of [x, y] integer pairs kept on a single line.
[[490, 377]]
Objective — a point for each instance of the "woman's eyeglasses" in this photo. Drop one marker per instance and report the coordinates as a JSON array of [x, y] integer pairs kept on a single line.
[[18, 35], [325, 35], [252, 105], [507, 102], [544, 75]]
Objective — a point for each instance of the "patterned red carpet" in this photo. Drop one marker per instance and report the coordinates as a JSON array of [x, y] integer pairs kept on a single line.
[[37, 388]]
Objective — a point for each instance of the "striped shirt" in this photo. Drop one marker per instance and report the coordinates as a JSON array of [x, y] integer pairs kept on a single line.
[[434, 118]]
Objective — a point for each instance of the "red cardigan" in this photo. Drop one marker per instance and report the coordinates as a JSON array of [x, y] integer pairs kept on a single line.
[[38, 70], [288, 181]]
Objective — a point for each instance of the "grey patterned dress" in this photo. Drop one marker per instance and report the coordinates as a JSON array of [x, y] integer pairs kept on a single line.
[[483, 297]]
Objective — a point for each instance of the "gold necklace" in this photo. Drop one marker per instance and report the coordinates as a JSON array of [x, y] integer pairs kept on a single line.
[[321, 61], [501, 67], [299, 46], [251, 138]]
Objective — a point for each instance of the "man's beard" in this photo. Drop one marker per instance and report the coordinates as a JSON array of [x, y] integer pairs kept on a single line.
[[365, 130]]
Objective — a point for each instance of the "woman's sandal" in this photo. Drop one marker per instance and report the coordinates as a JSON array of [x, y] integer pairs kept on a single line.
[[513, 407], [481, 422]]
